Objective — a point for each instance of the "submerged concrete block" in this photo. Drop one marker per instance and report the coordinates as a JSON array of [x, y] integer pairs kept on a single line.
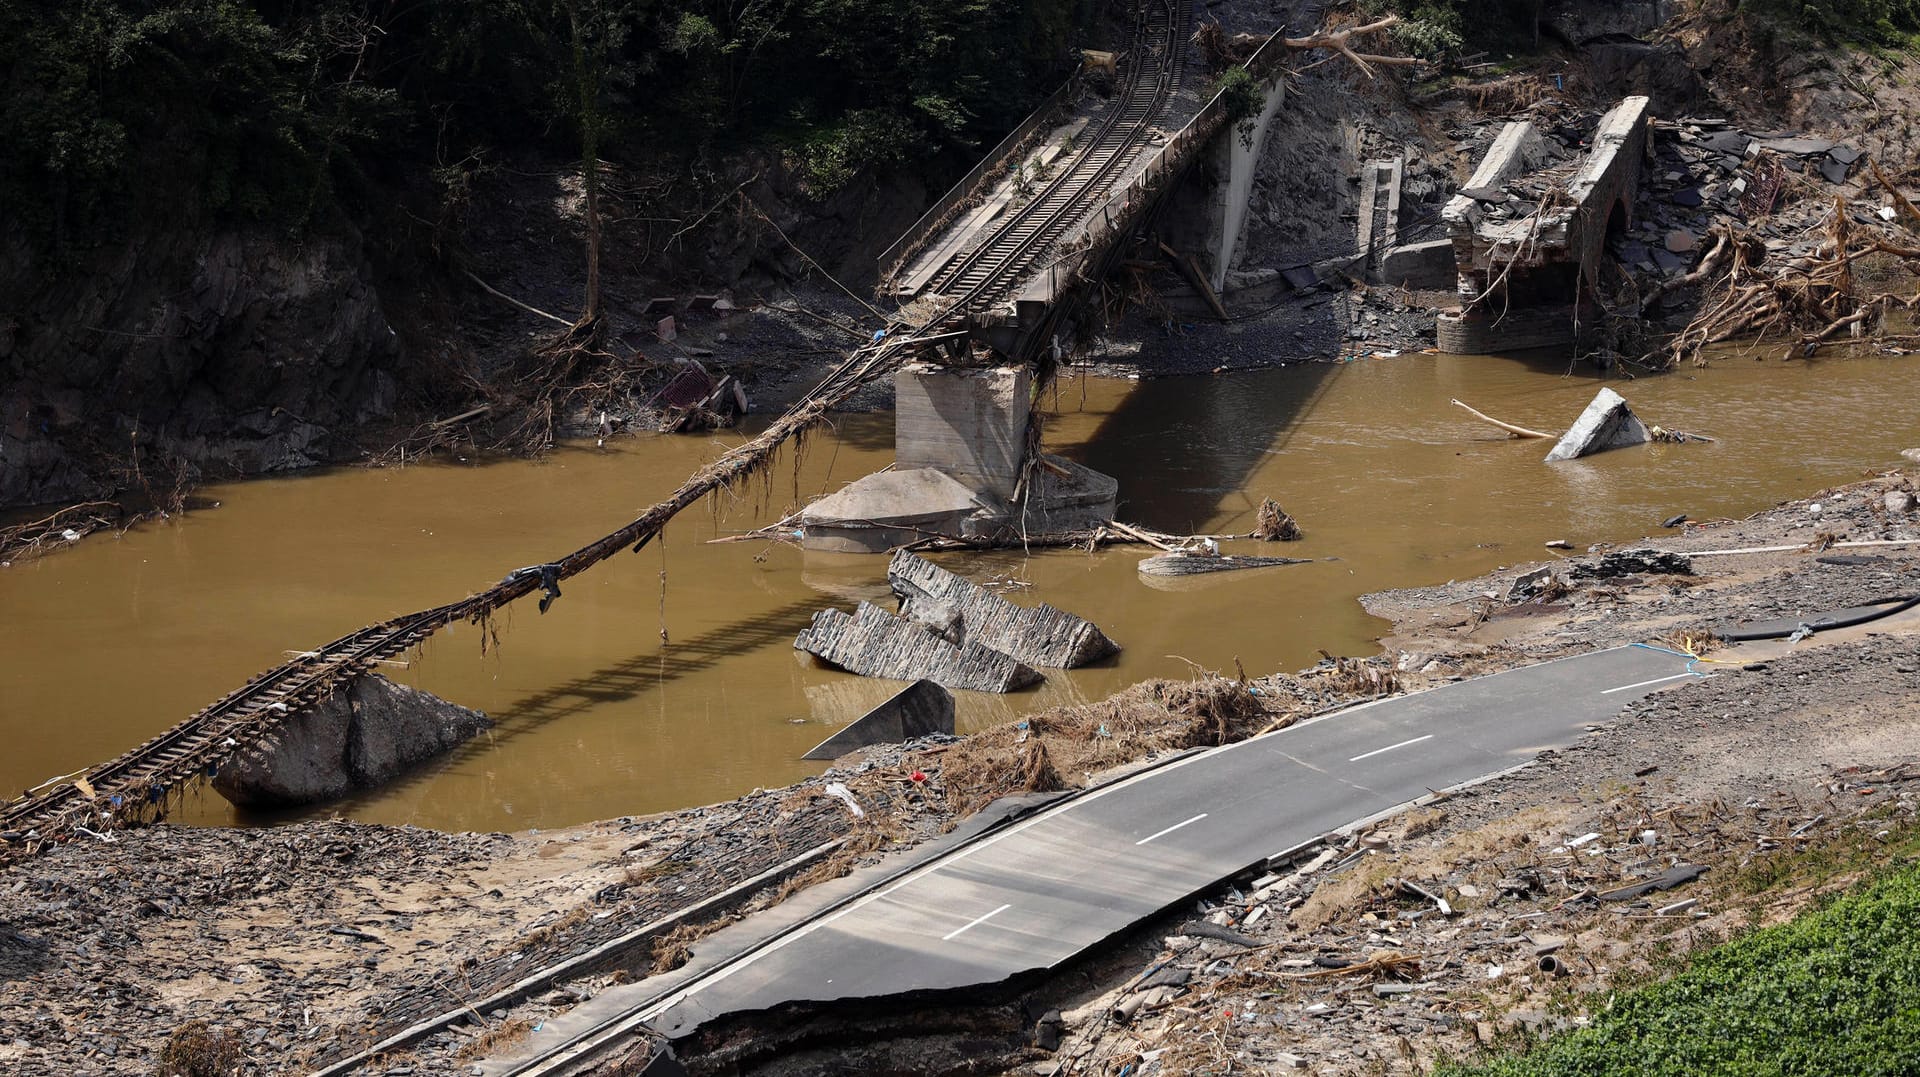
[[969, 423], [892, 508], [919, 709], [965, 613], [363, 736], [875, 643], [1608, 423]]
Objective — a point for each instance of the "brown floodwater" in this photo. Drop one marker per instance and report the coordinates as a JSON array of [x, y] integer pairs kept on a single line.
[[668, 679]]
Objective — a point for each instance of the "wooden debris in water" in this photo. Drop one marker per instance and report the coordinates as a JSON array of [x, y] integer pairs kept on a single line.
[[1515, 431], [963, 612], [875, 643], [1186, 564], [1273, 524]]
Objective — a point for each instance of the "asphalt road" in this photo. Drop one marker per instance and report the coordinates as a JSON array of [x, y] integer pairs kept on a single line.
[[1040, 891]]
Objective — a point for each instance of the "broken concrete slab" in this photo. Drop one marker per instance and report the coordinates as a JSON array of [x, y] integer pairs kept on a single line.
[[1064, 496], [962, 612], [1427, 265], [920, 709], [1608, 423], [1797, 147], [889, 509], [362, 736], [875, 643]]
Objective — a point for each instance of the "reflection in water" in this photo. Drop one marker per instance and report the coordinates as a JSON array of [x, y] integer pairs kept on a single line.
[[104, 645]]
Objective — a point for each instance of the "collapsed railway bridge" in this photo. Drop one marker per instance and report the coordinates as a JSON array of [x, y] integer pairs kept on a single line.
[[989, 283]]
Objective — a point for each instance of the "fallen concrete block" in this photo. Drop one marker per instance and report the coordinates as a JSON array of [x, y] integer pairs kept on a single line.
[[360, 737], [1608, 423], [1529, 583], [919, 709], [963, 613], [875, 643]]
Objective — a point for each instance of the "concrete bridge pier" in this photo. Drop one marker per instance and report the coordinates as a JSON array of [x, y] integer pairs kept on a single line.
[[962, 441]]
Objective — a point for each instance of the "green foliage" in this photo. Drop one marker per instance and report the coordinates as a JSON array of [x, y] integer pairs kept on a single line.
[[1240, 92], [279, 111], [1873, 22], [1835, 991], [1433, 28]]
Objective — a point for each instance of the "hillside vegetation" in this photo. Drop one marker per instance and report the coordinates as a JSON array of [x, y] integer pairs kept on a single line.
[[281, 112]]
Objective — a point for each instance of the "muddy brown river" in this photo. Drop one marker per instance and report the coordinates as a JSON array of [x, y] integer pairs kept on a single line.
[[668, 679]]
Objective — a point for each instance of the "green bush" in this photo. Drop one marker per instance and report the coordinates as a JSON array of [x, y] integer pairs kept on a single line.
[[1836, 991]]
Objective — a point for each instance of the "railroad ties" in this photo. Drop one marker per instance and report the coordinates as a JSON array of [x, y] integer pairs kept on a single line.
[[1155, 66]]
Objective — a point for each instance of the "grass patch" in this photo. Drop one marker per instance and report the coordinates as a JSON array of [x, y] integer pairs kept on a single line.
[[1836, 990]]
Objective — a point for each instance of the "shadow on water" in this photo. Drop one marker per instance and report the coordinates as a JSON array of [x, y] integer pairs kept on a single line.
[[617, 683], [1193, 442]]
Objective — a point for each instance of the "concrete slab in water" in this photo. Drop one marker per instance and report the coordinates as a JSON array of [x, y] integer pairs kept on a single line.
[[917, 710], [888, 509], [1608, 423]]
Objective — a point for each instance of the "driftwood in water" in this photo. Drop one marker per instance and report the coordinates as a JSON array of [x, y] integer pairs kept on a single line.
[[875, 643], [1272, 524], [1516, 431], [963, 612], [1181, 564]]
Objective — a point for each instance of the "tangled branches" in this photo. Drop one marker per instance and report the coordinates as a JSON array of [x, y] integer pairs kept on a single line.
[[1813, 298]]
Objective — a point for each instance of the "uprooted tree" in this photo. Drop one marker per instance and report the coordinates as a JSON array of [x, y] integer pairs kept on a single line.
[[1811, 300]]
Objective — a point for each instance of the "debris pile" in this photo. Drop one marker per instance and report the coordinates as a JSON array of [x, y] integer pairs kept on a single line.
[[1777, 235]]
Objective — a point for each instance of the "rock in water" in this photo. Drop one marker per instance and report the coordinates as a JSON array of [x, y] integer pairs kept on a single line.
[[360, 737], [1608, 423]]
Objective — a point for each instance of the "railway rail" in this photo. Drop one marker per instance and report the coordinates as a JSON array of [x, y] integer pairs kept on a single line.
[[1155, 67]]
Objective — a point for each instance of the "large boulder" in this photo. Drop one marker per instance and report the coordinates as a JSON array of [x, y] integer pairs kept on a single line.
[[361, 737]]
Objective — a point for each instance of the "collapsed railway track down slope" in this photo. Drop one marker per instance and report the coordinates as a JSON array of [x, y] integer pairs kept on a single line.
[[141, 784]]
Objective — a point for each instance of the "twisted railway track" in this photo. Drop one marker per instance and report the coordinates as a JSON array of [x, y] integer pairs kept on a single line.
[[140, 784]]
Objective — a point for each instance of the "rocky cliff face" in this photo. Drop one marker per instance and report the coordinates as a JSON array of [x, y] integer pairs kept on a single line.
[[230, 352]]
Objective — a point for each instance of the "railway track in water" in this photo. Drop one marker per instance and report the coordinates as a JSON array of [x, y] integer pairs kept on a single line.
[[1155, 66], [138, 785]]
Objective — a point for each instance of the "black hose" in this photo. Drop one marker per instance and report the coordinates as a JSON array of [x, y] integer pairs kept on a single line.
[[1847, 618]]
